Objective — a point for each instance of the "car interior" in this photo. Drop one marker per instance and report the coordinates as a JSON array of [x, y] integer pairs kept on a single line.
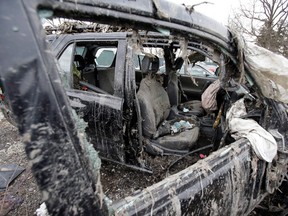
[[173, 120], [96, 63]]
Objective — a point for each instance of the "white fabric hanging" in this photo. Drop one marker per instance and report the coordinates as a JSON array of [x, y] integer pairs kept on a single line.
[[262, 142]]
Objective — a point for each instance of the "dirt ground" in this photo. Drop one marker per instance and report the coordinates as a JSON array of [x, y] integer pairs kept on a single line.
[[132, 181], [23, 196]]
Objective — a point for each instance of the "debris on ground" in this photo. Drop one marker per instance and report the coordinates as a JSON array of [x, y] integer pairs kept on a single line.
[[22, 197], [9, 172], [42, 210]]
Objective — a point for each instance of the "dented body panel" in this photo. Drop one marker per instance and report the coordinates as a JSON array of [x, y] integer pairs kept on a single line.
[[230, 181], [217, 185]]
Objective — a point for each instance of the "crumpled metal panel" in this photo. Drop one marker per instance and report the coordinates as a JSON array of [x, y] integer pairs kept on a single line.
[[161, 14], [217, 185], [179, 14], [269, 70], [165, 10]]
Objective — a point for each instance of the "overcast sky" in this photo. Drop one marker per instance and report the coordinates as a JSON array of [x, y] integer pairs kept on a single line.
[[219, 9]]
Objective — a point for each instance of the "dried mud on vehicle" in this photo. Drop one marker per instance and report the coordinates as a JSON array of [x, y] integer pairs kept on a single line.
[[120, 98]]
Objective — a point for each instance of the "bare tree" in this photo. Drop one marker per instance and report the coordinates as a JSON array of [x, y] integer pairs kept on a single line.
[[265, 22]]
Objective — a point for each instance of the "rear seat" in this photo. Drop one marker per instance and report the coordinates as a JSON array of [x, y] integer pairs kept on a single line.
[[106, 79]]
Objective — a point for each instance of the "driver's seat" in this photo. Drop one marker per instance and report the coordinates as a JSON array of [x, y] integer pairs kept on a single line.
[[155, 108]]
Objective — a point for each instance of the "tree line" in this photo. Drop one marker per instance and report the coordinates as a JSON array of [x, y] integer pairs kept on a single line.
[[265, 21]]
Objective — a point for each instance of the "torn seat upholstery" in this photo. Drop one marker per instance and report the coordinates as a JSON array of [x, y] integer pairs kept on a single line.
[[155, 108]]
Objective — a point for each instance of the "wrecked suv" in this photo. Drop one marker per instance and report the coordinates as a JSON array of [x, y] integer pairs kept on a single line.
[[132, 104], [137, 105]]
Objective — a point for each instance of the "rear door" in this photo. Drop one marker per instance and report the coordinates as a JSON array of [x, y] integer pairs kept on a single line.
[[95, 90]]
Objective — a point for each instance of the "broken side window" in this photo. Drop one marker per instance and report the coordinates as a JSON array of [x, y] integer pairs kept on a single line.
[[88, 65], [65, 63]]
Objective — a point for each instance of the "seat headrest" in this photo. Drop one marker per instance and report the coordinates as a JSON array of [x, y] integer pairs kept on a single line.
[[150, 63], [80, 62]]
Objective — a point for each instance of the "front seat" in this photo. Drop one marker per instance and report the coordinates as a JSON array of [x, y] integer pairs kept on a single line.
[[189, 108], [155, 108]]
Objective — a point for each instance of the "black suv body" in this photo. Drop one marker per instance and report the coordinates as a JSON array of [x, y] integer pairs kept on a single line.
[[232, 180]]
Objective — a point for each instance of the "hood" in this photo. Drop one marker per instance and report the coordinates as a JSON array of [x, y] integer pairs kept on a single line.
[[269, 70]]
